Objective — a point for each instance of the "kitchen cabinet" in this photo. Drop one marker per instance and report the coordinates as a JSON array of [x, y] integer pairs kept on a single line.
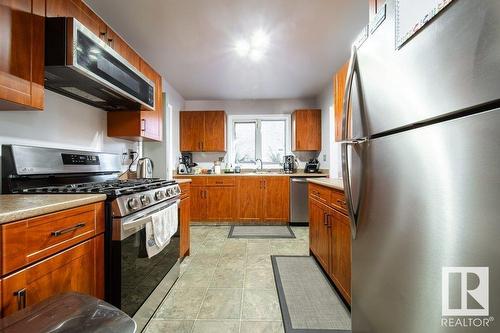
[[306, 130], [51, 254], [185, 219], [338, 93], [249, 200], [330, 235], [220, 201], [22, 49], [276, 198], [263, 198], [340, 265], [203, 131], [140, 125], [79, 10], [239, 198], [71, 270]]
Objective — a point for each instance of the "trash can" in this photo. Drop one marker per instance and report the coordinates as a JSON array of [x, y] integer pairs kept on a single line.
[[69, 312]]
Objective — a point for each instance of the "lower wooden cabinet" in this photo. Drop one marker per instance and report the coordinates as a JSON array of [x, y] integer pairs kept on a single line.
[[74, 269], [185, 219], [51, 254], [330, 237], [240, 198]]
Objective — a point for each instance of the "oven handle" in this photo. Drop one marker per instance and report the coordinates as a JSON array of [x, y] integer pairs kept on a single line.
[[139, 218]]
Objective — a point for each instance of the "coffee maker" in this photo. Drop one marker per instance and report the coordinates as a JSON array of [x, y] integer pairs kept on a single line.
[[289, 165], [186, 164]]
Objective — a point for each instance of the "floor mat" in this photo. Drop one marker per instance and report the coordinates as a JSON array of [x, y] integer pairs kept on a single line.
[[308, 301], [261, 231]]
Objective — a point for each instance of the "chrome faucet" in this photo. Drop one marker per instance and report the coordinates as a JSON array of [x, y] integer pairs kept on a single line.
[[261, 166]]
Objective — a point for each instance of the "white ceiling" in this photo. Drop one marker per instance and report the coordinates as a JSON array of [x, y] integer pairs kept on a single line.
[[191, 43]]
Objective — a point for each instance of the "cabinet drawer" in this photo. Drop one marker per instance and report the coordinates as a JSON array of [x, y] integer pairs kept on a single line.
[[338, 201], [320, 193], [198, 181], [71, 270], [220, 181], [33, 239]]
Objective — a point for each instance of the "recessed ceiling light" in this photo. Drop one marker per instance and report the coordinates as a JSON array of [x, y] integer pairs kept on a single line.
[[255, 47]]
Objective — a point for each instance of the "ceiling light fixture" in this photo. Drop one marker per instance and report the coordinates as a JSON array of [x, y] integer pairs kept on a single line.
[[255, 48]]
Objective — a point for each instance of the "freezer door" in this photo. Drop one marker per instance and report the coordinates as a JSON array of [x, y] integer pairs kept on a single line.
[[452, 64], [431, 199]]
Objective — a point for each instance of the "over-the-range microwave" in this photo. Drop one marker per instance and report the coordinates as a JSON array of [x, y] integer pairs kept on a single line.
[[80, 65]]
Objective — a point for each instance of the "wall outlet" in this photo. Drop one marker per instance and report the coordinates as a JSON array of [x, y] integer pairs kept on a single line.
[[324, 157]]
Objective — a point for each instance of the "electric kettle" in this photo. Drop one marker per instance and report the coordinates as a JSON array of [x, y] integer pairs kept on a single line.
[[145, 168]]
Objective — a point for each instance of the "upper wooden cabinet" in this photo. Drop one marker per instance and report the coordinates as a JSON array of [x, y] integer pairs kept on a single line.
[[306, 130], [22, 38], [339, 81], [203, 131]]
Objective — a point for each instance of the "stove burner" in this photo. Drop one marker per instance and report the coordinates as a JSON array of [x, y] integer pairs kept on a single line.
[[113, 188]]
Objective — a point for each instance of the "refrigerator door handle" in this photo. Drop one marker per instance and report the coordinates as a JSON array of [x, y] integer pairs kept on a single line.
[[346, 142]]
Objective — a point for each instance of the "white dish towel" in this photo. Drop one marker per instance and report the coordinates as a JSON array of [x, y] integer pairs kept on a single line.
[[160, 229]]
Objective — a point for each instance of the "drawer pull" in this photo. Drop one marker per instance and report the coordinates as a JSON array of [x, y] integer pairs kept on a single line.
[[21, 298], [67, 230], [341, 202], [219, 182]]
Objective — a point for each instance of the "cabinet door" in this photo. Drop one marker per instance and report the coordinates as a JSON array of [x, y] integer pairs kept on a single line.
[[123, 49], [276, 198], [341, 253], [315, 219], [249, 198], [22, 45], [198, 204], [220, 203], [192, 124], [214, 131], [306, 129], [71, 270], [338, 93], [151, 126], [184, 220], [323, 245]]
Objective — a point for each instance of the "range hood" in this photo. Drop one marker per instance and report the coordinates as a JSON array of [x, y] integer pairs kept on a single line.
[[78, 64]]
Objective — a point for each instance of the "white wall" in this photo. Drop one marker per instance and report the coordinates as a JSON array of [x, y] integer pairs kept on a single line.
[[330, 149], [249, 107], [64, 123], [158, 151]]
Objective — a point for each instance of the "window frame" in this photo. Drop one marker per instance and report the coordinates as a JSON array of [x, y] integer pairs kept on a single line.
[[232, 119]]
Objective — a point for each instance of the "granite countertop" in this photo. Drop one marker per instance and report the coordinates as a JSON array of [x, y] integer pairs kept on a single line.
[[335, 183], [296, 174], [14, 207]]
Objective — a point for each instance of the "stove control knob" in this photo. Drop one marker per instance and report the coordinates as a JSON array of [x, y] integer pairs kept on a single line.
[[159, 195], [169, 192], [133, 203], [145, 200]]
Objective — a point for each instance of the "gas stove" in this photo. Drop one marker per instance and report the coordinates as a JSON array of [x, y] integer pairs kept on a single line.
[[35, 170]]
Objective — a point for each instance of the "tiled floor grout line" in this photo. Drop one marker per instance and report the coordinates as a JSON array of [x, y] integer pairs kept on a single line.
[[243, 286], [206, 291]]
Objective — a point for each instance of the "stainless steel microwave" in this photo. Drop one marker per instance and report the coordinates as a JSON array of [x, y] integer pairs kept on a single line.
[[80, 65]]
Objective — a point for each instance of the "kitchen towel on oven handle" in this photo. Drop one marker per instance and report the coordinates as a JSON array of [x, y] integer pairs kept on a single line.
[[160, 229]]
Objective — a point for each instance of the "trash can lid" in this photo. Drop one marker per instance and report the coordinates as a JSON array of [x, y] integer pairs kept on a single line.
[[69, 312]]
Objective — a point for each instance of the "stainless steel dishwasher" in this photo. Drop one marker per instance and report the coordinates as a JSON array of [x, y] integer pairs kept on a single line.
[[299, 211]]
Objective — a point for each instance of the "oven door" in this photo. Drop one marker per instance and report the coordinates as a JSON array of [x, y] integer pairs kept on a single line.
[[133, 277]]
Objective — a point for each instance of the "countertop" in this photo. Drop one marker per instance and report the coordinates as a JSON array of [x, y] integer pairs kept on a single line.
[[296, 174], [183, 180], [335, 183], [14, 207]]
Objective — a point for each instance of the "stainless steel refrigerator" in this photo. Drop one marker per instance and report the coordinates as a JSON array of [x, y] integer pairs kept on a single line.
[[421, 165]]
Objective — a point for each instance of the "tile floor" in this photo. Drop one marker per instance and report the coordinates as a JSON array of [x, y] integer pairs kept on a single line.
[[227, 284]]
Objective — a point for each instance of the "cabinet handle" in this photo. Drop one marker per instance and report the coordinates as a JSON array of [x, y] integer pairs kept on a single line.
[[65, 231], [341, 202], [219, 182], [325, 218], [21, 298], [199, 146], [202, 146], [206, 194], [110, 40], [143, 125], [328, 224]]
